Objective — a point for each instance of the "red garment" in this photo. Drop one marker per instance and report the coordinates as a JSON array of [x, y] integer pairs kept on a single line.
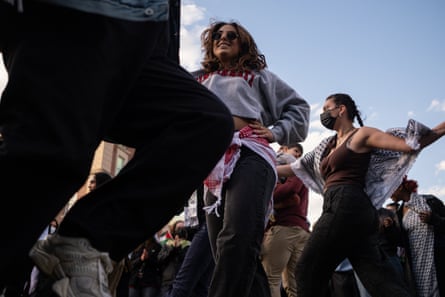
[[291, 200]]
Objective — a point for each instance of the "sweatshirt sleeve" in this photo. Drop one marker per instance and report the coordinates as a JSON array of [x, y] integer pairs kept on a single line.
[[285, 110]]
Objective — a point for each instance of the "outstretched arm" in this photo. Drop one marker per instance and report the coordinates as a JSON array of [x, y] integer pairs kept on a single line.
[[436, 133], [285, 171], [368, 137]]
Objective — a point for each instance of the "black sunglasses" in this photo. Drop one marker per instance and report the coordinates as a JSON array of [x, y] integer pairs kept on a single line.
[[230, 35]]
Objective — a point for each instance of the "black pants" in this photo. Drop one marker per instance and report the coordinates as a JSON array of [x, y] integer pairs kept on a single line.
[[237, 234], [76, 79], [347, 228]]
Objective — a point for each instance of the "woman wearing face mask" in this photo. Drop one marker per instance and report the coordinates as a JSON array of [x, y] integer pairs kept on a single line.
[[355, 170]]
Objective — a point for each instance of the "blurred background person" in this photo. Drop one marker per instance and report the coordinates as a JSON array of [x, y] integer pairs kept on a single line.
[[195, 273], [423, 222], [172, 254], [145, 273]]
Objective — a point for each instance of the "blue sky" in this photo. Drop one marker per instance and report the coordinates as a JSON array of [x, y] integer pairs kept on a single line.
[[389, 55]]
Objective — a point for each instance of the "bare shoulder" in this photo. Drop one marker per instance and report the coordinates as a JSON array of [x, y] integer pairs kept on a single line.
[[366, 130], [364, 133], [359, 142]]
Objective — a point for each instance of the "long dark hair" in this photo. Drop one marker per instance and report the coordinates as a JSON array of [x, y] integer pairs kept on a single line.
[[249, 57]]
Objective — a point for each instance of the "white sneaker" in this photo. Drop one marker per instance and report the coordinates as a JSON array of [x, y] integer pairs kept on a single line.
[[79, 269]]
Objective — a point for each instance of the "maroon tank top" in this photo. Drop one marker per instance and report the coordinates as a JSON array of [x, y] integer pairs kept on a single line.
[[344, 166]]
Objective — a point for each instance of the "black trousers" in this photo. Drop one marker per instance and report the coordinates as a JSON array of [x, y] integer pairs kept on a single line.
[[76, 79], [237, 234], [347, 228]]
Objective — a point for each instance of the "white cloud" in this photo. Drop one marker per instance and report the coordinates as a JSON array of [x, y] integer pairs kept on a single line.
[[192, 26], [440, 166], [190, 48], [373, 116], [314, 138], [438, 191], [411, 114], [319, 105], [437, 105], [190, 13]]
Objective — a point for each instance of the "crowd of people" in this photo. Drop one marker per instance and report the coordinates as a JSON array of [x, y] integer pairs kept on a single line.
[[110, 71]]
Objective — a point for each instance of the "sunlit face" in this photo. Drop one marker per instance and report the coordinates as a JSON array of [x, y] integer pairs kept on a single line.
[[91, 182], [294, 151], [226, 44]]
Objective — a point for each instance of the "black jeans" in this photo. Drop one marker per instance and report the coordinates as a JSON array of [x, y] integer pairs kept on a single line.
[[347, 228], [76, 79], [236, 235]]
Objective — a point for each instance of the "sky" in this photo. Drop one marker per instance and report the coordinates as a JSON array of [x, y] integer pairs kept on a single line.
[[389, 55]]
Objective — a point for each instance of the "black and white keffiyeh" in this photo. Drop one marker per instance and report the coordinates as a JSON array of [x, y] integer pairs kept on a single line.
[[386, 168]]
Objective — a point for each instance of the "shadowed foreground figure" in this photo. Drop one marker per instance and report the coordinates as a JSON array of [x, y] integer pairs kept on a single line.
[[81, 72]]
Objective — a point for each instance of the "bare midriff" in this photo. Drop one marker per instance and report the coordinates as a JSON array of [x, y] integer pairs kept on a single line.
[[240, 122]]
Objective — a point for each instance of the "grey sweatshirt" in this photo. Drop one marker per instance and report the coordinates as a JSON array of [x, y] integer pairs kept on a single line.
[[263, 96]]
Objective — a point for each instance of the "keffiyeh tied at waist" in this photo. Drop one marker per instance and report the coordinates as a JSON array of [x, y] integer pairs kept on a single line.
[[224, 168]]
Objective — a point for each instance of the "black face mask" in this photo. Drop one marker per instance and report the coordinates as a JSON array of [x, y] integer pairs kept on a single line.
[[327, 120]]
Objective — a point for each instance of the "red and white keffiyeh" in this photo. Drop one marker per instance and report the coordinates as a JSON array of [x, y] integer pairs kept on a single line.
[[224, 168]]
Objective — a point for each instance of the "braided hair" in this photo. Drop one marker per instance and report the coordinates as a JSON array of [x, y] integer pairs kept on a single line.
[[346, 100]]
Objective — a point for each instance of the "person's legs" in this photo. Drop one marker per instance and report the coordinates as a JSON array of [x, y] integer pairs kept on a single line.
[[66, 88], [318, 259], [193, 278], [8, 23], [59, 95], [149, 292], [275, 254], [378, 277], [237, 242], [161, 117], [168, 115], [298, 238], [333, 237]]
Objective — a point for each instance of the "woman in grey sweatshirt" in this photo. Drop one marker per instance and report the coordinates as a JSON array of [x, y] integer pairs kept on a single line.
[[239, 198]]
